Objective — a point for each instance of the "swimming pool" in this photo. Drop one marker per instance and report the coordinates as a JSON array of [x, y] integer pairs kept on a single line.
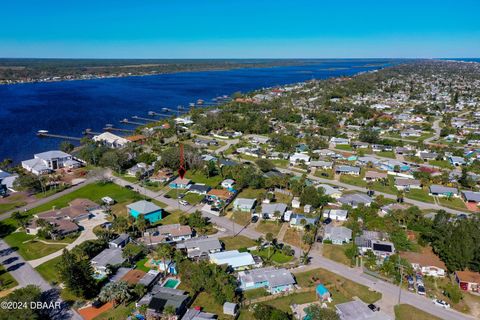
[[171, 283]]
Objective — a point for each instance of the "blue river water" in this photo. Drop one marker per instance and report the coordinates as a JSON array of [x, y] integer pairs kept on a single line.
[[69, 107]]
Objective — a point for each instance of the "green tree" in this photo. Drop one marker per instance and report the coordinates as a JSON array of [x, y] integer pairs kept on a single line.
[[30, 293], [66, 146], [316, 312], [265, 165], [77, 274], [116, 292], [131, 251]]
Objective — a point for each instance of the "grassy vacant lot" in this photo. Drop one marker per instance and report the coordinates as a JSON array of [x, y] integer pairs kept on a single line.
[[325, 174], [208, 304], [284, 303], [255, 293], [353, 180], [336, 253], [276, 257], [251, 193], [294, 237], [31, 249], [198, 176], [386, 154], [454, 203], [408, 312], [242, 218], [237, 242], [171, 217], [268, 226], [48, 270], [420, 195], [441, 163], [193, 198], [337, 285], [11, 202], [94, 192], [345, 147], [120, 312], [6, 279]]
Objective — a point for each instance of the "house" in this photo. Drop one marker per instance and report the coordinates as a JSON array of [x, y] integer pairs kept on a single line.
[[381, 249], [161, 176], [389, 208], [299, 158], [355, 199], [228, 183], [407, 184], [274, 280], [167, 297], [330, 191], [168, 233], [347, 170], [471, 196], [392, 165], [426, 262], [198, 248], [111, 140], [120, 241], [180, 183], [426, 156], [49, 161], [307, 208], [149, 210], [468, 280], [220, 195], [244, 204], [300, 221], [198, 188], [336, 141], [326, 165], [456, 161], [230, 309], [137, 138], [374, 176], [269, 210], [358, 310], [141, 169], [337, 235], [234, 259], [106, 258], [197, 314], [336, 214], [441, 191], [205, 142], [296, 202]]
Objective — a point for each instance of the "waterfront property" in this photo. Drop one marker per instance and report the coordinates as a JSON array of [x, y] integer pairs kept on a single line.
[[49, 161], [149, 210]]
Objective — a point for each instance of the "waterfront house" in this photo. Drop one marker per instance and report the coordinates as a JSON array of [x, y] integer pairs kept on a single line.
[[234, 259], [244, 204], [270, 278], [111, 140], [149, 210], [441, 191], [49, 161], [337, 235], [180, 183]]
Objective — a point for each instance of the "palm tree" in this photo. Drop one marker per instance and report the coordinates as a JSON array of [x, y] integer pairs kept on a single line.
[[259, 243], [163, 252], [304, 258], [117, 292], [269, 237]]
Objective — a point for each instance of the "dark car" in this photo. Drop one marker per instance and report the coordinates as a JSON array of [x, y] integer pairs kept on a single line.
[[324, 174], [129, 187], [373, 307], [254, 219], [97, 304], [327, 221], [167, 196]]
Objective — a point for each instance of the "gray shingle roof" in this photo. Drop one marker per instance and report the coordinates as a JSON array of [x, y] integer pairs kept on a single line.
[[143, 207]]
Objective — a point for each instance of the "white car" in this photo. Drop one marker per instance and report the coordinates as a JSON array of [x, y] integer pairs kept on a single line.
[[184, 203], [441, 303]]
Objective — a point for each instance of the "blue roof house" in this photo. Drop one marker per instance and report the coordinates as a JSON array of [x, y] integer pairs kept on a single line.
[[151, 211]]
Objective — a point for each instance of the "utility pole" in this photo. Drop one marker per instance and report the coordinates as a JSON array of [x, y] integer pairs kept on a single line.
[[401, 279]]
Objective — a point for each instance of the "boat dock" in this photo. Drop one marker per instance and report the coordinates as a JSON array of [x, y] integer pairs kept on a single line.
[[126, 121], [118, 129], [153, 113], [87, 132], [45, 134], [145, 119]]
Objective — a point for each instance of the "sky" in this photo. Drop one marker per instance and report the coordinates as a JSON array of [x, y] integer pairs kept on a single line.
[[239, 29]]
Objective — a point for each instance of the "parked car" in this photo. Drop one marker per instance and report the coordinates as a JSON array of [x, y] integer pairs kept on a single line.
[[254, 219], [410, 280], [129, 187], [421, 290], [184, 203], [181, 195], [441, 303], [373, 307], [167, 196], [327, 221]]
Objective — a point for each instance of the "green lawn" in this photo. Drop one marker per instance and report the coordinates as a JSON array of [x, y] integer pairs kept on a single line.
[[420, 195], [345, 147], [94, 192], [31, 249], [336, 283], [199, 177], [140, 265], [252, 193], [325, 174], [276, 257], [268, 226], [408, 312], [353, 180], [208, 304], [120, 312], [284, 303], [240, 217], [454, 203], [6, 279], [280, 163], [336, 253], [48, 270], [171, 217], [386, 154], [255, 293], [12, 201], [441, 163], [193, 198], [237, 242]]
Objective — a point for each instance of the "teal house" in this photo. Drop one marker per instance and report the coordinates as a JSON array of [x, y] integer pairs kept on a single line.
[[150, 211], [322, 292]]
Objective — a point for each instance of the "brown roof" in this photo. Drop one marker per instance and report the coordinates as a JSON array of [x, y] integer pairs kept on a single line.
[[135, 138], [375, 174], [424, 258], [65, 226], [162, 174], [76, 208], [133, 276], [220, 193], [468, 276]]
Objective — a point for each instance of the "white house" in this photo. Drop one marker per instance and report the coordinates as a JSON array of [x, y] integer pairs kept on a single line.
[[299, 157], [426, 262], [228, 183], [296, 202], [336, 214], [244, 204], [111, 140], [49, 161]]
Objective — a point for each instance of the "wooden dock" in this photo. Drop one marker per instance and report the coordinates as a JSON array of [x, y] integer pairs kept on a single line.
[[110, 128], [46, 134], [153, 113], [144, 119]]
